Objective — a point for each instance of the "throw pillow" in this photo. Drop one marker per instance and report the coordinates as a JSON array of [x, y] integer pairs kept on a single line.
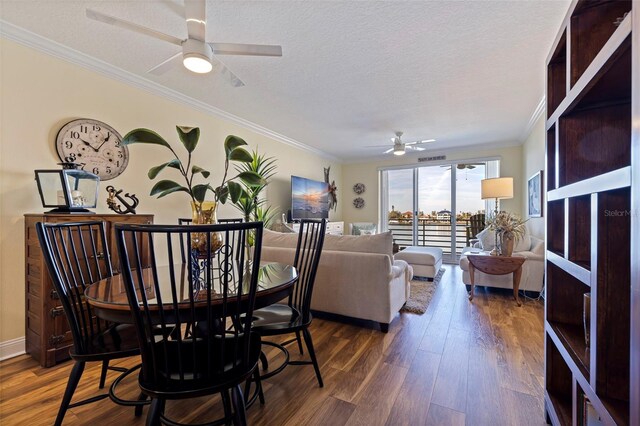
[[364, 228], [487, 239], [523, 244]]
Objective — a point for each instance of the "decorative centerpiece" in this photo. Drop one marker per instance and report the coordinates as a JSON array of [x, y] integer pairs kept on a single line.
[[204, 212], [508, 227]]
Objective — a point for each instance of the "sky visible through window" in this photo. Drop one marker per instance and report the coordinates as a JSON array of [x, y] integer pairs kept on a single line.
[[434, 189]]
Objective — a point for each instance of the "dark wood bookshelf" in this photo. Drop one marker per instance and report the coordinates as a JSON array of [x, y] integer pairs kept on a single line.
[[593, 215], [580, 230], [557, 76], [592, 24]]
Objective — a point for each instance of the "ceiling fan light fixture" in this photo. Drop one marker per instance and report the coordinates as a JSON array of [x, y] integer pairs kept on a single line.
[[197, 56], [196, 63], [398, 150]]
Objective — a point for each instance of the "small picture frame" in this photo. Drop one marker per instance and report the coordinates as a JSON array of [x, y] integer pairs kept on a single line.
[[534, 195]]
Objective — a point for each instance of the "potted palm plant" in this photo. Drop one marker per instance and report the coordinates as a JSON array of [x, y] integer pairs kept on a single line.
[[247, 194]]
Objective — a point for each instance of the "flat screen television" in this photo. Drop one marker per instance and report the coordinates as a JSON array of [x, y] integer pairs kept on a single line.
[[309, 199]]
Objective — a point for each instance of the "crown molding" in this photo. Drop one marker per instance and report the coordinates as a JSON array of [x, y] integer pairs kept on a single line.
[[60, 51], [540, 108]]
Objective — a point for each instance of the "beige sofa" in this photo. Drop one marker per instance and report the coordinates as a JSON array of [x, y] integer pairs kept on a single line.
[[357, 276]]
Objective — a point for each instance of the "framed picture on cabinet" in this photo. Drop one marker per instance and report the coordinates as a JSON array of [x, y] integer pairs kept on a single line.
[[534, 195]]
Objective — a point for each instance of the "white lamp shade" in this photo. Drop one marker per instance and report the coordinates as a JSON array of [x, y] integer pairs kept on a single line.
[[497, 188]]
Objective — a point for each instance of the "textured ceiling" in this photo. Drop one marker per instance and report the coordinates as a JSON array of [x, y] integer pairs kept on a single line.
[[352, 73]]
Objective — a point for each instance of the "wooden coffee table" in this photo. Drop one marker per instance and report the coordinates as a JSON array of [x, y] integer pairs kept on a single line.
[[496, 265]]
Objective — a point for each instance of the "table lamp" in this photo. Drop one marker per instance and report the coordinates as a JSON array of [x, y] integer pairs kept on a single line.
[[498, 189]]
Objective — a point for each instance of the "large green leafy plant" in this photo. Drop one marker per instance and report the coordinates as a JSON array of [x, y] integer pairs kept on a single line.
[[189, 136]]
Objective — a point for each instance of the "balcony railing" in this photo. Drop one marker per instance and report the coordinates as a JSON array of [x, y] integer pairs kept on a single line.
[[431, 233]]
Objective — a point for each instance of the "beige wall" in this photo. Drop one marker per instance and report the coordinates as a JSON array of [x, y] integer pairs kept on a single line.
[[367, 173], [41, 93], [533, 157]]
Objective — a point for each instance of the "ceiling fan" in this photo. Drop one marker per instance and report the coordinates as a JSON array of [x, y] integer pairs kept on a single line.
[[462, 166], [197, 55], [400, 148]]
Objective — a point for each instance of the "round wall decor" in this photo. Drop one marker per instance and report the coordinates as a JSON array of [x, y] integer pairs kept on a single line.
[[359, 188], [94, 145], [358, 203]]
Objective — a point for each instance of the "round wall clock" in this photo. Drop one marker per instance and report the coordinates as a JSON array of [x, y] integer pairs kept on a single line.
[[359, 188], [94, 145], [358, 203]]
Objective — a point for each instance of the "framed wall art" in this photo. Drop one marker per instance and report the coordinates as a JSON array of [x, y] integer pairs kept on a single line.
[[534, 195]]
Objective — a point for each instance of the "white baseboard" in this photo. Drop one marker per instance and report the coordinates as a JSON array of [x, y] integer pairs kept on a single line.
[[11, 348]]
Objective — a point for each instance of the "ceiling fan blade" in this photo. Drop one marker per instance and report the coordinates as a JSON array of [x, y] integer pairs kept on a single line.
[[246, 49], [166, 65], [111, 20], [414, 148], [420, 142], [375, 146], [227, 74], [196, 13], [388, 151]]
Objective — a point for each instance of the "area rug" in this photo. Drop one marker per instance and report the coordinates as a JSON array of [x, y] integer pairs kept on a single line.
[[421, 294]]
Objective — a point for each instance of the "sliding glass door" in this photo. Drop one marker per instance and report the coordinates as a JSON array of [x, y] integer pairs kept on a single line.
[[434, 219], [431, 206]]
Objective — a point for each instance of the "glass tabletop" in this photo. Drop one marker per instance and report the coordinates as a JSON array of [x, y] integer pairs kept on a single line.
[[110, 293]]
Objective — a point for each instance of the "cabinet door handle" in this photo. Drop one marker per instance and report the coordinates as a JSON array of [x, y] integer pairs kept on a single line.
[[56, 312], [54, 295], [54, 340]]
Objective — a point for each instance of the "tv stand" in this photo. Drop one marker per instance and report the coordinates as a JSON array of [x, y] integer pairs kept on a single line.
[[333, 228]]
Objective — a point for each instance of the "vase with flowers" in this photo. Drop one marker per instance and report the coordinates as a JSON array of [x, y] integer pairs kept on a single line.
[[508, 227], [203, 211]]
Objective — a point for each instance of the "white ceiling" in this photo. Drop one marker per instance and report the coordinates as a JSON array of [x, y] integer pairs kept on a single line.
[[352, 72]]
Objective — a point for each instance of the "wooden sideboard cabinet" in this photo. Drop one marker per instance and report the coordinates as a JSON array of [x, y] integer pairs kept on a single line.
[[48, 338], [333, 228]]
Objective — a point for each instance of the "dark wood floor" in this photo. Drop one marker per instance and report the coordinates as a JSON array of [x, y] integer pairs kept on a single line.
[[478, 363]]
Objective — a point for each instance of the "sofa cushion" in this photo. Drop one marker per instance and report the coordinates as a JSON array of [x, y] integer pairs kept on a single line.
[[279, 239], [378, 243]]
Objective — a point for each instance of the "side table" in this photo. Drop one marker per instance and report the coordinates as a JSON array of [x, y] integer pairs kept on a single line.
[[496, 265]]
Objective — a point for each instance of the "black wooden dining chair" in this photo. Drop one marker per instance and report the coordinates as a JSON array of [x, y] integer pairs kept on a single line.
[[295, 316], [221, 352], [77, 255]]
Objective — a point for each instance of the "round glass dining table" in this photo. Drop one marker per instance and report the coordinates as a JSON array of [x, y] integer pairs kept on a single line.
[[108, 297]]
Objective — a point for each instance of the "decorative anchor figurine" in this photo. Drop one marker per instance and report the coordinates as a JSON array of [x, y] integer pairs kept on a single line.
[[128, 207]]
